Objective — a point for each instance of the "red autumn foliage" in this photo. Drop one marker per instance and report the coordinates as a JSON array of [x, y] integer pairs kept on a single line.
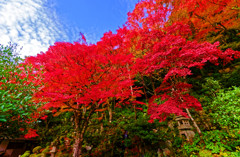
[[44, 117], [77, 74], [168, 57], [89, 74], [31, 133], [83, 78], [205, 16]]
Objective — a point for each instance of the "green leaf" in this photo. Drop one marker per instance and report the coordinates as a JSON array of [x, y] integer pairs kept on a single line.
[[3, 120]]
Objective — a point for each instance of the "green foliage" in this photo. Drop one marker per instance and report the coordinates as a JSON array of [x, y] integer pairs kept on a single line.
[[3, 118], [56, 128], [144, 130], [8, 66], [214, 142], [231, 78], [211, 86], [45, 151], [60, 154], [37, 153], [205, 153], [220, 115], [226, 109], [141, 135], [15, 93], [221, 106]]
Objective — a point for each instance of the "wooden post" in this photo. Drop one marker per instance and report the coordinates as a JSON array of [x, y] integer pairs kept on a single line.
[[54, 149]]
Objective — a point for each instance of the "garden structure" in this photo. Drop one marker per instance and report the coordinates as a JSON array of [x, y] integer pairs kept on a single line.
[[16, 147], [184, 127]]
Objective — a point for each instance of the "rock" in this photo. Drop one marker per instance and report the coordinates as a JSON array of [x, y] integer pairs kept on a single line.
[[166, 152]]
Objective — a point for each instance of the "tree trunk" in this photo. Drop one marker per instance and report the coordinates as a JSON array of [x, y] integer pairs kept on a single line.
[[77, 147], [132, 93], [153, 86], [194, 122], [202, 72], [110, 112], [101, 127], [144, 87]]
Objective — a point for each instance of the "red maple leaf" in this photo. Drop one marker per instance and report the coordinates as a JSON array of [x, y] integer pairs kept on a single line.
[[31, 133], [44, 117]]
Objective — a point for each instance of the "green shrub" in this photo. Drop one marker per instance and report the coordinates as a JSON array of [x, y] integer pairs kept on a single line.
[[26, 154], [205, 153], [226, 109], [46, 150]]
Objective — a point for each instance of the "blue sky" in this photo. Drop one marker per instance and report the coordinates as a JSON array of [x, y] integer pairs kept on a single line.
[[95, 17], [36, 24]]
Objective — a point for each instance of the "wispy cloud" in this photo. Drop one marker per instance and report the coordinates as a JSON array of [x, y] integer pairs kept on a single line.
[[31, 24], [128, 5]]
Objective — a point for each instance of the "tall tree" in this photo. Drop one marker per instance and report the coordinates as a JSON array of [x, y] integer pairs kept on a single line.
[[82, 78]]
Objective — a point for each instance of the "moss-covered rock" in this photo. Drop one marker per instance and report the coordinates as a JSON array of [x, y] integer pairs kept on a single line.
[[45, 151], [60, 154], [26, 154], [36, 150]]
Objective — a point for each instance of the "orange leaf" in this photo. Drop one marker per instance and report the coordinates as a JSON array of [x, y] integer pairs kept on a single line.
[[57, 114], [100, 118], [100, 110]]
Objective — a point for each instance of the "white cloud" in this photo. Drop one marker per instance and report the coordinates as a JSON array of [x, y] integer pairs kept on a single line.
[[30, 24]]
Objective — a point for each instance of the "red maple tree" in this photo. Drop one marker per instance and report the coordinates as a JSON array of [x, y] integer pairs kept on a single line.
[[167, 57], [81, 78]]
